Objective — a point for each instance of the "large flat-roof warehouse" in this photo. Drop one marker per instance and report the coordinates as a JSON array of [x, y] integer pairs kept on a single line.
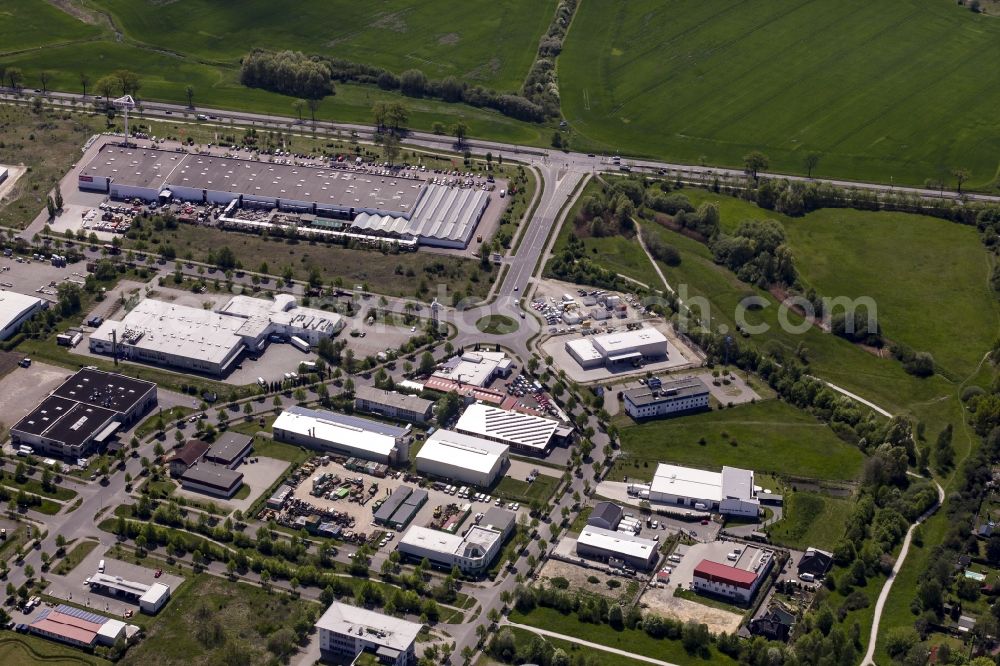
[[383, 205]]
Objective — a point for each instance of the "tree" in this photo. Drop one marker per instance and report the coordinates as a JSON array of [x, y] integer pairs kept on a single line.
[[810, 161], [128, 81], [390, 144], [755, 162], [189, 92], [413, 83], [298, 105], [84, 81], [106, 87], [313, 104], [45, 76], [16, 77], [961, 175], [944, 452], [437, 127], [459, 130]]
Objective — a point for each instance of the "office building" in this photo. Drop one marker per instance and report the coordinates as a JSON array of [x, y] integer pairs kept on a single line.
[[83, 413], [212, 479], [737, 581], [662, 398], [617, 548], [348, 631], [463, 458], [474, 553], [472, 368], [731, 492], [342, 434], [392, 404]]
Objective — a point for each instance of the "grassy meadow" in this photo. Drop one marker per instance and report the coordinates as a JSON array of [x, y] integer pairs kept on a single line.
[[768, 437], [885, 89]]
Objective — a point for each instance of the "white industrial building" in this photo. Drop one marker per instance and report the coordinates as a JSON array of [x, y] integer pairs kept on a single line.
[[472, 553], [205, 341], [521, 432], [641, 345], [395, 405], [463, 458], [342, 434], [475, 368], [150, 598], [376, 205], [614, 546], [348, 631], [15, 309], [731, 492], [658, 398]]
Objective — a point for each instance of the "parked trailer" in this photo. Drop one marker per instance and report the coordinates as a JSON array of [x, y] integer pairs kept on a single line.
[[300, 343]]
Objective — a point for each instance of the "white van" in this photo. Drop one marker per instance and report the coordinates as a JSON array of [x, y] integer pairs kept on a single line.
[[674, 558], [807, 577], [100, 567]]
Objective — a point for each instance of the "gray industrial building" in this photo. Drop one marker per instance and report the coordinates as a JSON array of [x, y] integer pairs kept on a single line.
[[395, 405], [378, 205], [83, 413], [400, 507], [606, 515], [659, 398]]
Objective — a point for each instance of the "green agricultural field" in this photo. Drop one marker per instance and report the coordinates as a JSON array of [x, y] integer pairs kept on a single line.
[[492, 44], [768, 437], [22, 650], [928, 277], [28, 24], [884, 89], [811, 519]]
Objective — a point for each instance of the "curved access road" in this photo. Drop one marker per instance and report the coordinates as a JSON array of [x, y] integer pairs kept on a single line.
[[869, 658]]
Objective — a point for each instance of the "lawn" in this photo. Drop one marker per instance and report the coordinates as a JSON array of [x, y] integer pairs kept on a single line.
[[522, 637], [268, 448], [880, 89], [811, 519], [212, 617], [74, 557], [23, 650], [496, 325], [523, 492], [631, 640], [768, 437], [34, 486]]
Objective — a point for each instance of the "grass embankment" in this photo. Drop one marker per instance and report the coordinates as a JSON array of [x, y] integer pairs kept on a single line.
[[811, 519], [768, 437], [722, 68], [24, 650]]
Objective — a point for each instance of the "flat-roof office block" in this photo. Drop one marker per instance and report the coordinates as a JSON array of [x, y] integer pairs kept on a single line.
[[338, 433], [349, 631], [672, 397]]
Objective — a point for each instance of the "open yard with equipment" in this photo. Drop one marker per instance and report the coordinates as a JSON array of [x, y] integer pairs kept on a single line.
[[708, 82], [769, 436]]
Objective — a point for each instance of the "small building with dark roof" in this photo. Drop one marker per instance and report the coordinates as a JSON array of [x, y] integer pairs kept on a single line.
[[606, 515], [774, 624], [816, 562], [229, 449], [186, 456], [211, 479]]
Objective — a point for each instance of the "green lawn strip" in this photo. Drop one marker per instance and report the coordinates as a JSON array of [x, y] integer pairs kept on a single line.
[[23, 649], [34, 486], [169, 416], [74, 557], [497, 325], [242, 493], [16, 538], [521, 491], [630, 640], [581, 519], [768, 436], [722, 68], [523, 636], [209, 612], [268, 448], [811, 519]]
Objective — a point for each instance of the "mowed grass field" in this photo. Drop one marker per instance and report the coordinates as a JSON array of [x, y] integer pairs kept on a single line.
[[890, 88], [768, 437], [811, 519], [491, 43], [928, 277]]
